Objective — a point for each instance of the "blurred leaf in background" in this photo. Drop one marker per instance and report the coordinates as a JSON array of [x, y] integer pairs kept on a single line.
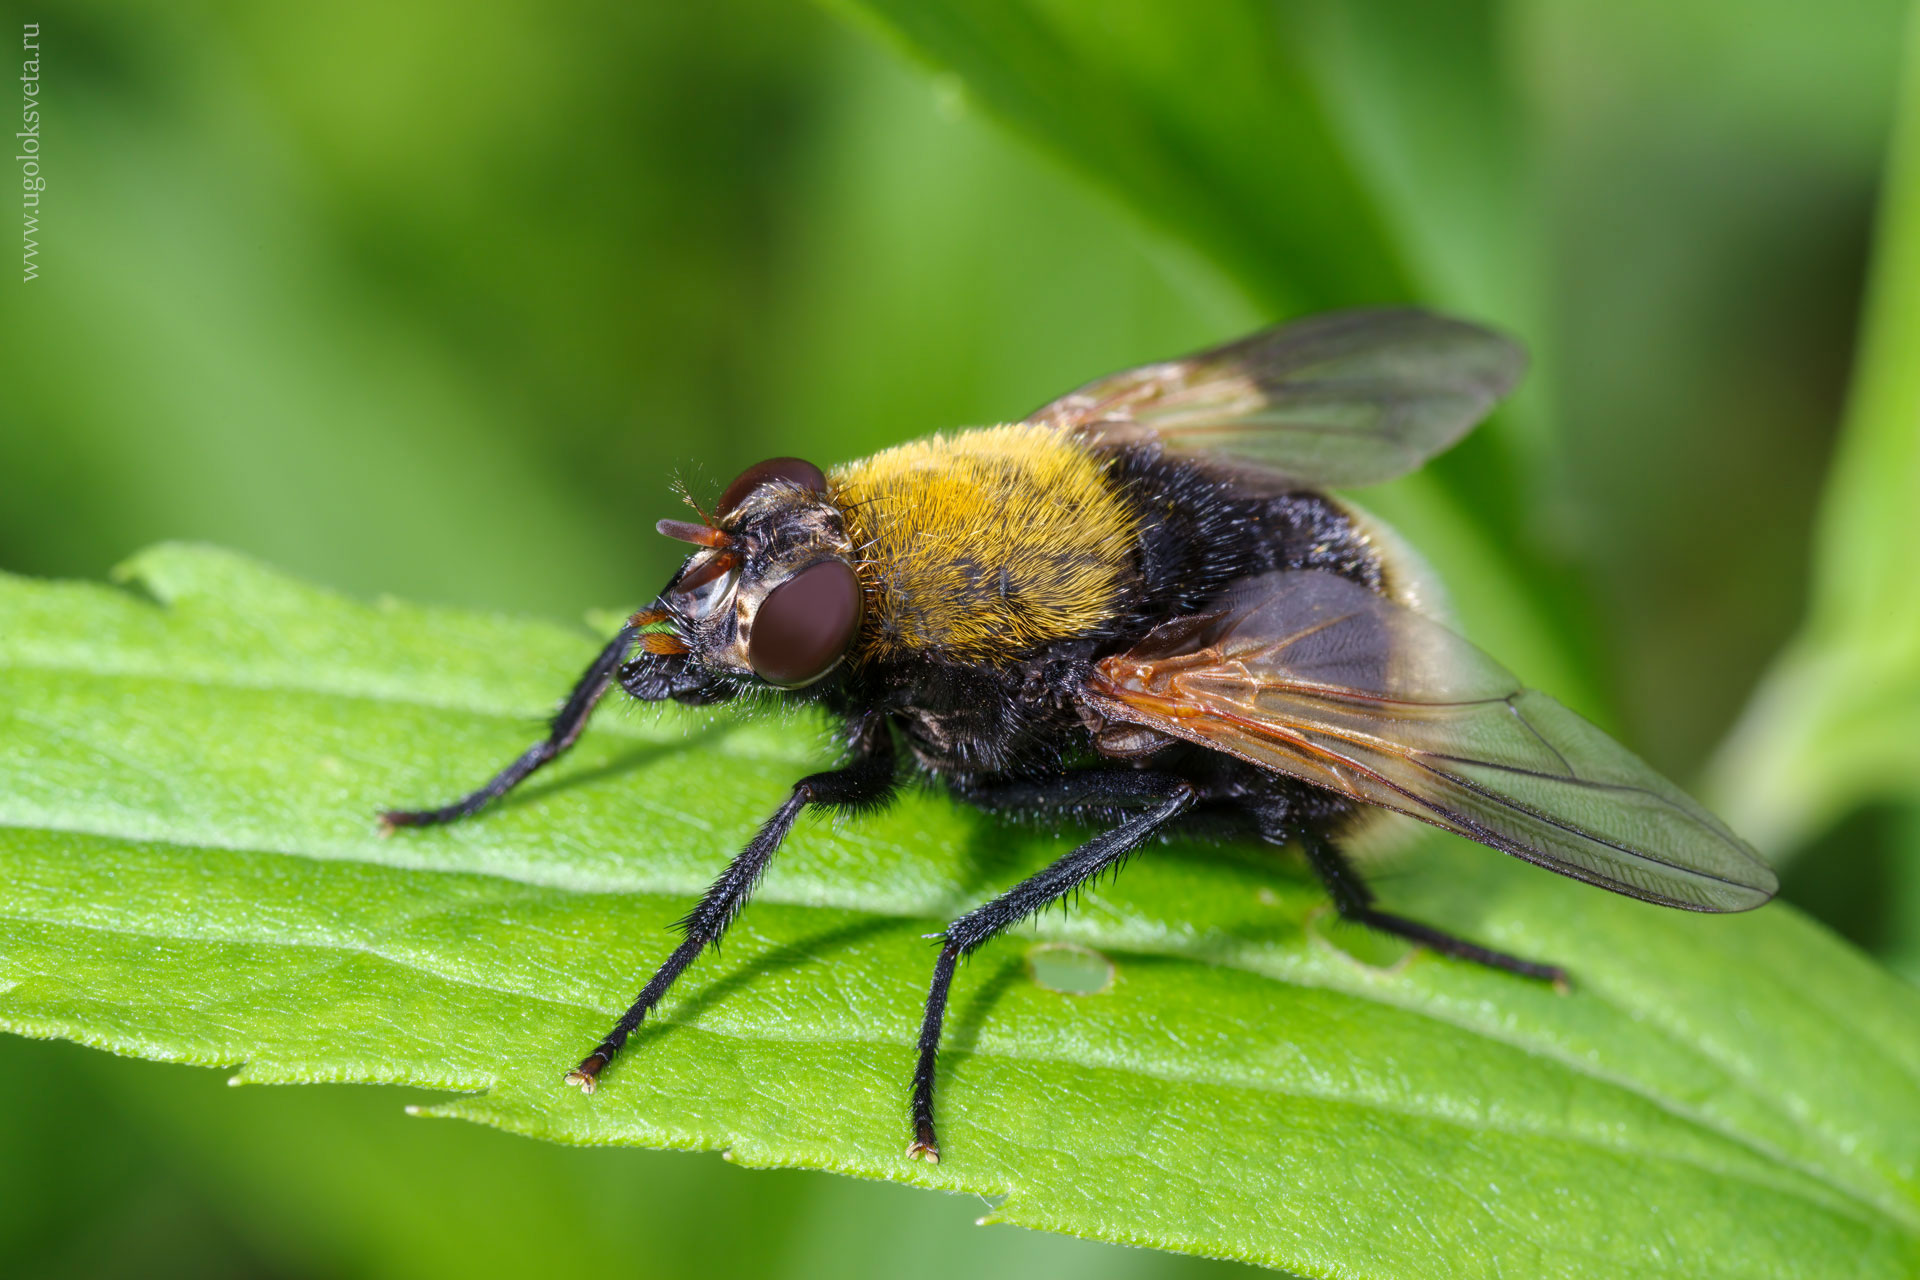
[[1836, 724], [434, 301]]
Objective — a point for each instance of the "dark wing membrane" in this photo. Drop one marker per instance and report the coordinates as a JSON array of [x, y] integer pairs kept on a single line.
[[1349, 398], [1314, 676]]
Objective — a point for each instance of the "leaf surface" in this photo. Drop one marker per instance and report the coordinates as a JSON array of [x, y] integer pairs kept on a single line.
[[189, 871]]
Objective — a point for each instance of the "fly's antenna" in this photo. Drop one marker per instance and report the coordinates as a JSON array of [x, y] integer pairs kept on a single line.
[[705, 534], [700, 535]]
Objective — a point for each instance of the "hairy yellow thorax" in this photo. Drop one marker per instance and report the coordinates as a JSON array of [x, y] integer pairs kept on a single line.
[[985, 543]]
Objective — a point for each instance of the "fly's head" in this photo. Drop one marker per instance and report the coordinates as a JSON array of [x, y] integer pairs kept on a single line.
[[770, 599]]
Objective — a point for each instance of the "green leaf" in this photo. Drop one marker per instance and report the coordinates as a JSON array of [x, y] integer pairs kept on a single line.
[[1200, 122], [1837, 721], [189, 871]]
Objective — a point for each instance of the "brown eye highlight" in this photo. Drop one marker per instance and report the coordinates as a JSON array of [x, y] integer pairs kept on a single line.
[[803, 627], [795, 470]]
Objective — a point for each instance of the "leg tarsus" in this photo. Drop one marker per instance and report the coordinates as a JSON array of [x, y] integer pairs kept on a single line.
[[468, 805], [926, 1142], [564, 730], [1355, 902], [1460, 948]]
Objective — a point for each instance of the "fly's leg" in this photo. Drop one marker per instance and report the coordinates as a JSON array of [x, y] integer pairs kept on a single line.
[[1170, 797], [1354, 901], [562, 732], [865, 784]]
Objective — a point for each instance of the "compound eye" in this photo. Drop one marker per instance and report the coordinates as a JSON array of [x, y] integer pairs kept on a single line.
[[796, 470], [805, 624]]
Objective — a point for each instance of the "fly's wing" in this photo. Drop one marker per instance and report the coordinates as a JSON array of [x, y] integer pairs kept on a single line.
[[1313, 676], [1349, 398]]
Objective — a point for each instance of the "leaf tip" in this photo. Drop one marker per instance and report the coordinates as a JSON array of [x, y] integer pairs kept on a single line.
[[166, 570]]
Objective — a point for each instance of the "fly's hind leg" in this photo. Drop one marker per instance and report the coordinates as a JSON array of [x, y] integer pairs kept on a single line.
[[1354, 901]]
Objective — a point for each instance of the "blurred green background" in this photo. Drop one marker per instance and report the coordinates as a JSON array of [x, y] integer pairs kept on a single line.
[[438, 300]]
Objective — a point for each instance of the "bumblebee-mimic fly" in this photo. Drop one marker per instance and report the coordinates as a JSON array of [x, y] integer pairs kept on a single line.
[[1139, 606]]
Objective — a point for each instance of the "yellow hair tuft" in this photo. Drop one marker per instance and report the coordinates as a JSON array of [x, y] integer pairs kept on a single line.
[[986, 543]]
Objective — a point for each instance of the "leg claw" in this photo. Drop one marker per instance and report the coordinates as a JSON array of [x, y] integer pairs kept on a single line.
[[586, 1076]]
